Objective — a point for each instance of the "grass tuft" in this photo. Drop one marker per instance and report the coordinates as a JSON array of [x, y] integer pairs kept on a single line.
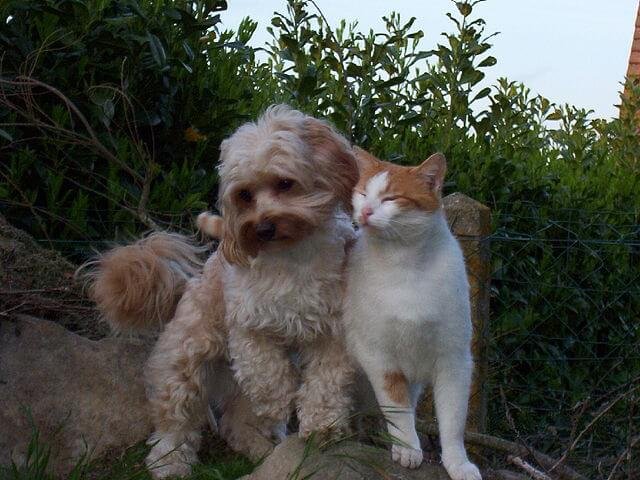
[[218, 463]]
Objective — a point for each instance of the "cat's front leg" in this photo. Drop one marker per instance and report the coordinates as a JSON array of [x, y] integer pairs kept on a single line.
[[451, 394], [396, 398]]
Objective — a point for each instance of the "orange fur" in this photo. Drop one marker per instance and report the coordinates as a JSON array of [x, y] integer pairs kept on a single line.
[[395, 384], [419, 186], [211, 225], [137, 286], [336, 159]]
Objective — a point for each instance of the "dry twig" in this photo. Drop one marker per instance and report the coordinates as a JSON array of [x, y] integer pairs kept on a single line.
[[634, 441], [527, 467], [22, 87], [506, 446], [593, 421]]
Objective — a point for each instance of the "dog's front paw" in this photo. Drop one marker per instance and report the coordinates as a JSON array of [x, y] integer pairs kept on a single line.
[[335, 432], [463, 471], [406, 456], [170, 468], [166, 460]]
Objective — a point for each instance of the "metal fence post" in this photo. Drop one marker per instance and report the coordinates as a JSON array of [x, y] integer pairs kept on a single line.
[[470, 221]]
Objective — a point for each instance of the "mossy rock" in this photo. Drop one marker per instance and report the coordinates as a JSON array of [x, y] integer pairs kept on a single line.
[[40, 282]]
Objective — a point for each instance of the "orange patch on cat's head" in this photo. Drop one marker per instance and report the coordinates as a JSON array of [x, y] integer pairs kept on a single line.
[[369, 166], [419, 186]]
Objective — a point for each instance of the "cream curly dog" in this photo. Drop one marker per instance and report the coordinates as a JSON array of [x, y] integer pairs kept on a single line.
[[274, 287]]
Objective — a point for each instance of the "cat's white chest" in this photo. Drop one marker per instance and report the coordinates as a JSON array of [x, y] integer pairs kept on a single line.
[[393, 292], [406, 308], [387, 303]]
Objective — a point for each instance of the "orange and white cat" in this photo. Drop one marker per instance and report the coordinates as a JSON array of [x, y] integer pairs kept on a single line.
[[407, 311]]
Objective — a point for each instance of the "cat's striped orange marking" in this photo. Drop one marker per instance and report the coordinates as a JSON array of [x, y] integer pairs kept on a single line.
[[396, 386]]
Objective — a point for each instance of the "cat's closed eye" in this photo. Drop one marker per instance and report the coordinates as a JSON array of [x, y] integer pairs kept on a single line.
[[390, 198], [360, 193]]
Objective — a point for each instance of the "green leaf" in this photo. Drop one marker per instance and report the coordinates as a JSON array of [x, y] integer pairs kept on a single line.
[[482, 93], [209, 22], [186, 67], [173, 13], [392, 81], [6, 135], [354, 70], [187, 49], [488, 62], [556, 115], [464, 8], [108, 108], [157, 50]]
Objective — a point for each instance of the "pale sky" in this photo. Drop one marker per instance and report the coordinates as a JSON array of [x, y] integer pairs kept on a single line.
[[571, 51]]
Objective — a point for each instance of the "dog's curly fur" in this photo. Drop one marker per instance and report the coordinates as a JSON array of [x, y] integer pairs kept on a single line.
[[273, 287]]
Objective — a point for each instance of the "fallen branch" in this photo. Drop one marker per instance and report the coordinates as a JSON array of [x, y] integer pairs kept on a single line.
[[527, 467], [502, 445]]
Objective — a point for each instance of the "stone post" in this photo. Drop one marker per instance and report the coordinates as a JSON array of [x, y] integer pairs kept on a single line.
[[470, 221]]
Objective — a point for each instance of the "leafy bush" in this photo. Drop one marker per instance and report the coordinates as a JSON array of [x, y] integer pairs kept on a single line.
[[113, 112]]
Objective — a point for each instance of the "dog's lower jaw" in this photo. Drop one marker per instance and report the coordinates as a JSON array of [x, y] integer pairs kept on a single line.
[[171, 455]]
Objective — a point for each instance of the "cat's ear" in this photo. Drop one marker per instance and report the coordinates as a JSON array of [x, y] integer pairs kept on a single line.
[[433, 170], [365, 159]]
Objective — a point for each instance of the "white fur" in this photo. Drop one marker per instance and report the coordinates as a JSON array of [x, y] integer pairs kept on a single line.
[[407, 310], [287, 300], [295, 293]]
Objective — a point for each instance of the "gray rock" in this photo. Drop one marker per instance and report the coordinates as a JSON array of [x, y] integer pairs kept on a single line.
[[348, 460], [83, 396]]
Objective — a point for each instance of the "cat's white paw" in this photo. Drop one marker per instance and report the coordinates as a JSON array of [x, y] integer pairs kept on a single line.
[[463, 471], [406, 456]]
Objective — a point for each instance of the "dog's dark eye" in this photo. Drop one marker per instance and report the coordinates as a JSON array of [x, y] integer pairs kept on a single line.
[[245, 195], [284, 184]]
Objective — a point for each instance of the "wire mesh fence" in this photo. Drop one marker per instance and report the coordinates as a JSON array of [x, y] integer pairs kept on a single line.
[[564, 349], [564, 371]]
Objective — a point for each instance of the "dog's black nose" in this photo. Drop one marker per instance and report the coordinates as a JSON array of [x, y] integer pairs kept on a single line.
[[266, 230]]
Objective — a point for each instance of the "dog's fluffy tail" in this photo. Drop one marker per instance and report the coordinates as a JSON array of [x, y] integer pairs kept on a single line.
[[137, 287]]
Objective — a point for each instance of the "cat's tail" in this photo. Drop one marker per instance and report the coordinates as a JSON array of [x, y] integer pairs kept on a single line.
[[137, 287]]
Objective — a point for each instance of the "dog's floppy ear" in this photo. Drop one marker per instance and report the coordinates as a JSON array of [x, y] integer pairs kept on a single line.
[[230, 246], [334, 157], [230, 249]]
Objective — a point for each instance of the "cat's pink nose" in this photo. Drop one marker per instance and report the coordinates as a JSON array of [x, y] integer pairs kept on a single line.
[[365, 214]]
